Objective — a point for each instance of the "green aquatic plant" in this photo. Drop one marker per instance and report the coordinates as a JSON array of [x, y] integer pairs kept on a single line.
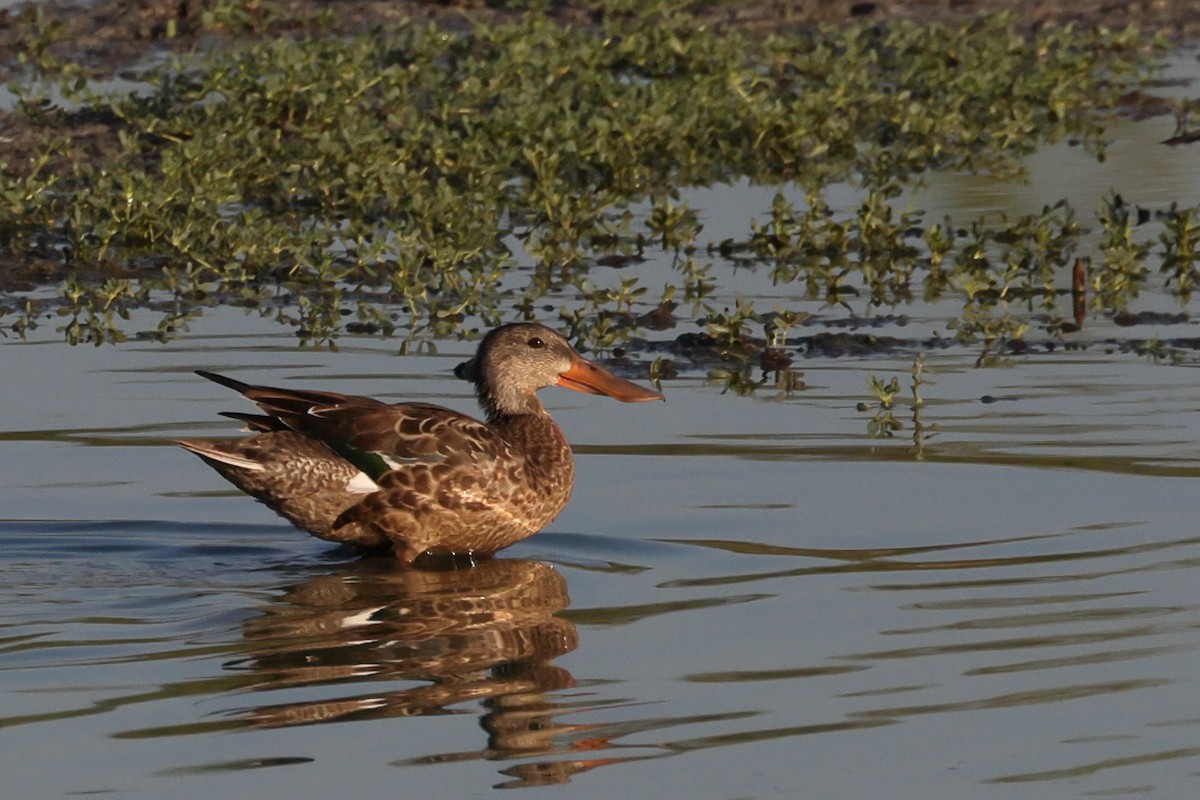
[[673, 224], [1122, 269], [992, 326], [239, 16], [420, 179], [779, 322], [698, 281], [884, 424], [1038, 248], [1181, 250], [921, 431], [731, 327]]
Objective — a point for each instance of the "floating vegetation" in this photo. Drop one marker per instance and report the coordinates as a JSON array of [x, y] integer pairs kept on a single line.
[[422, 181]]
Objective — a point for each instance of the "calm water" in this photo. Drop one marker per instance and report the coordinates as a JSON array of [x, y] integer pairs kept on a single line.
[[747, 597]]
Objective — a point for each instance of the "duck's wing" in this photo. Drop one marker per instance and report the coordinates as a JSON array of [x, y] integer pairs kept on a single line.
[[389, 438], [376, 437]]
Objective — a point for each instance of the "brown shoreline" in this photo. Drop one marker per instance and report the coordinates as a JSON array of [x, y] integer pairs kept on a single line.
[[108, 35]]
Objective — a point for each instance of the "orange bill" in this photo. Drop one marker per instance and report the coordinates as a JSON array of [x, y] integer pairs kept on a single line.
[[584, 376]]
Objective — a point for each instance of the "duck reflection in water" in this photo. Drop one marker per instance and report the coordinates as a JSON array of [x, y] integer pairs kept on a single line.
[[487, 633]]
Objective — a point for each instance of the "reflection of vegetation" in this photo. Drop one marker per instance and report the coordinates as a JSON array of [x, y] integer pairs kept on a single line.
[[1157, 351], [381, 181]]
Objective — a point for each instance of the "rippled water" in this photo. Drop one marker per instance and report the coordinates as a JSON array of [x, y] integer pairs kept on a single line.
[[747, 597]]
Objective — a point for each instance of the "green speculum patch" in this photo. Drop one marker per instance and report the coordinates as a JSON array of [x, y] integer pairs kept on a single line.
[[420, 179]]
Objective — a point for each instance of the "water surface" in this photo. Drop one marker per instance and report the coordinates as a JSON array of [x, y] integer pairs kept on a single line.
[[747, 597]]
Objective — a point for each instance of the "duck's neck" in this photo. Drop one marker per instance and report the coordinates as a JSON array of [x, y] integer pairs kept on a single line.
[[548, 462], [502, 398]]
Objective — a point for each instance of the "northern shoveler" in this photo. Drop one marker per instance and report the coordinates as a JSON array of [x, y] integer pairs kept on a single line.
[[414, 477]]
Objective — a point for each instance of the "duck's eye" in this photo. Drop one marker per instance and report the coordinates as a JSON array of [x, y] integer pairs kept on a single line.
[[536, 342]]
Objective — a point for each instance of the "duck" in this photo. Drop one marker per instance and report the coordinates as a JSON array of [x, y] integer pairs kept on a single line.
[[415, 478]]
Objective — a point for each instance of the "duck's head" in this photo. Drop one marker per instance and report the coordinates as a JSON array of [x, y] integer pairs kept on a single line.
[[515, 361]]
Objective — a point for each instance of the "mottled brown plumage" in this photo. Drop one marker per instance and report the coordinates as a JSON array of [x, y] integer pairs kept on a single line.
[[415, 477]]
